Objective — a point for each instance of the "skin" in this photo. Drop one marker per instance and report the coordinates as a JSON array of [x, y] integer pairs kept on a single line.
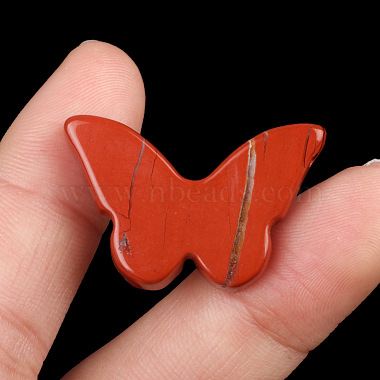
[[326, 256]]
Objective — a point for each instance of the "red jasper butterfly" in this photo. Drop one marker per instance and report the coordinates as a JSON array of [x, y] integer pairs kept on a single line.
[[221, 222]]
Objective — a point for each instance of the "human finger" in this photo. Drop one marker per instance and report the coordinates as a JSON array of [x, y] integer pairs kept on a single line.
[[50, 226], [325, 261]]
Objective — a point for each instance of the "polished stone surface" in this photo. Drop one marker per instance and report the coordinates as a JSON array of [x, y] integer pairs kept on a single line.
[[222, 222]]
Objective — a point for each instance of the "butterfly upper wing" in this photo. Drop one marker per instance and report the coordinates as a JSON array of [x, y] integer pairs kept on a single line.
[[161, 218]]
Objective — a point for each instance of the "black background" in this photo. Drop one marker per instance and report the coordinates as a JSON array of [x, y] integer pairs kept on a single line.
[[212, 82]]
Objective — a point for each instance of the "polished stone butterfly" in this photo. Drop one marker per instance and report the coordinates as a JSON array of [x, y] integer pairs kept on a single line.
[[221, 222]]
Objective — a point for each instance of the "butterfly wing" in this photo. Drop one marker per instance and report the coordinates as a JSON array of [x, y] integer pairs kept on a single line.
[[130, 180], [160, 218], [278, 161]]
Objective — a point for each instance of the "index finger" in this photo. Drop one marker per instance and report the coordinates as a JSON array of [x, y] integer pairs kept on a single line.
[[50, 226]]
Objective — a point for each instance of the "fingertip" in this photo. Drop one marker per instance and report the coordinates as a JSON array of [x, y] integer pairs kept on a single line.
[[100, 63]]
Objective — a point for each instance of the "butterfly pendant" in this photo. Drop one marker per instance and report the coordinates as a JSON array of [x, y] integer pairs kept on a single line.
[[221, 222]]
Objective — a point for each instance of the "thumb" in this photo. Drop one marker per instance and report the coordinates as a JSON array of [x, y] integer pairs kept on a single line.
[[325, 261]]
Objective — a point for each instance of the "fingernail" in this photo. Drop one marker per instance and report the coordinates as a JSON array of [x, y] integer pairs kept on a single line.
[[374, 161], [84, 42]]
